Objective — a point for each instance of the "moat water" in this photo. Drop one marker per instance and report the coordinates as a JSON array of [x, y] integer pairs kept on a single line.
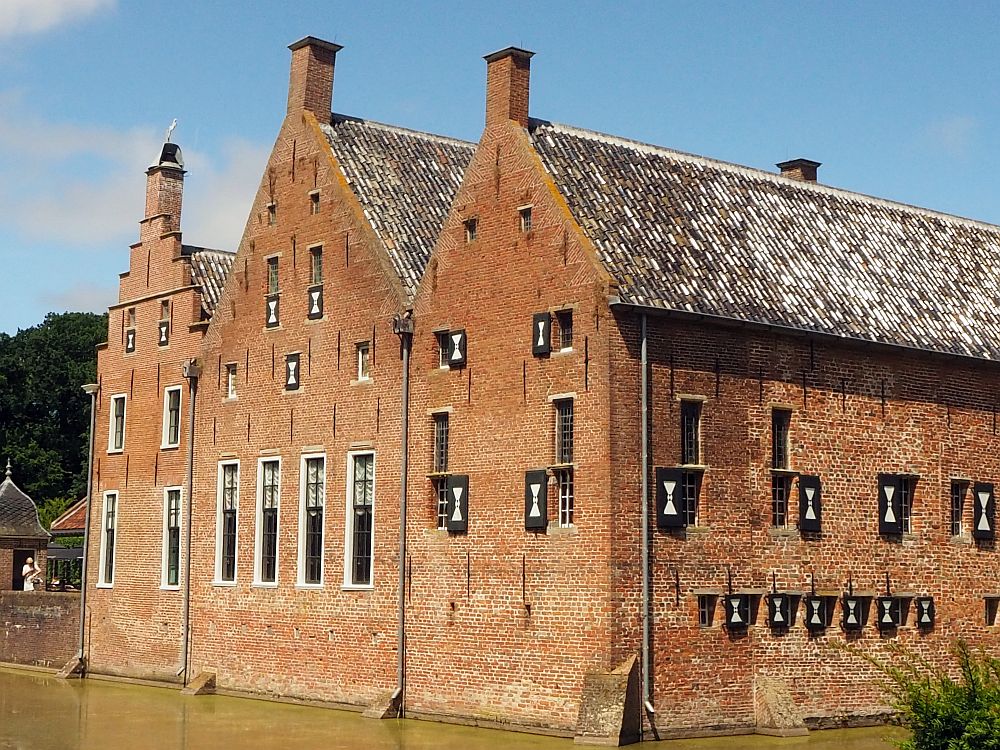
[[39, 712]]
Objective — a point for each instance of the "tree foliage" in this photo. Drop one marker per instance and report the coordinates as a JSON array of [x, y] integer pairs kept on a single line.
[[44, 414]]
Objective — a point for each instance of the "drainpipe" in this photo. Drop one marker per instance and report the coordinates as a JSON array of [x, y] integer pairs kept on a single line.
[[191, 371], [647, 696], [402, 326], [91, 390]]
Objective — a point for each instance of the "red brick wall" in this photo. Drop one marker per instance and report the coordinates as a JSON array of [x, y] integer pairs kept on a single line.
[[40, 628]]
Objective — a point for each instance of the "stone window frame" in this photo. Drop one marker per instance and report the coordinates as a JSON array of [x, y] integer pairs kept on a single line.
[[219, 518], [349, 515], [303, 538], [258, 546], [168, 529]]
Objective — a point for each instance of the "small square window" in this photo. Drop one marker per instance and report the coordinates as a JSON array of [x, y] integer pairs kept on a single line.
[[564, 321], [781, 490], [272, 214], [443, 343], [363, 350], [471, 230], [314, 203], [272, 275], [316, 265], [706, 610], [524, 216], [231, 381]]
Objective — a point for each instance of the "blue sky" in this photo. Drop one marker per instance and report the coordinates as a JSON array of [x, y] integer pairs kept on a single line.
[[897, 99]]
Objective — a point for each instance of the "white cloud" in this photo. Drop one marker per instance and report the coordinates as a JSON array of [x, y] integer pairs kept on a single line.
[[81, 297], [33, 16], [954, 136]]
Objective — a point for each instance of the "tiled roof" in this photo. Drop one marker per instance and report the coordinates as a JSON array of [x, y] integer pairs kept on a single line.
[[73, 520], [209, 269], [690, 234], [405, 181], [18, 515]]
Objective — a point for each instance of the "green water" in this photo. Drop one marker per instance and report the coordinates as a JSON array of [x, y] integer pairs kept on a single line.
[[38, 712]]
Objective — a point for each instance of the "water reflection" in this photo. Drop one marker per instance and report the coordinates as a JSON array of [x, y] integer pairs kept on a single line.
[[38, 712]]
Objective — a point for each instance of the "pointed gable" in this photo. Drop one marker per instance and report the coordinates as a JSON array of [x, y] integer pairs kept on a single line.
[[18, 515]]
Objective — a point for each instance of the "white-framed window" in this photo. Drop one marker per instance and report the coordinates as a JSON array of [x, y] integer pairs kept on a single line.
[[364, 360], [440, 480], [312, 503], [231, 380], [471, 229], [109, 523], [170, 575], [314, 202], [359, 531], [265, 562], [524, 218], [228, 494], [116, 428], [564, 460], [171, 417]]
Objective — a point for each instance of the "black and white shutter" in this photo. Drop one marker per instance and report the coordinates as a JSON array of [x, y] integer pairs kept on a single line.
[[163, 337], [737, 611], [925, 612], [456, 348], [888, 612], [293, 372], [541, 334], [984, 511], [271, 314], [315, 299], [890, 509], [129, 340], [810, 503], [854, 612], [458, 502], [779, 610], [669, 498], [536, 513], [816, 614]]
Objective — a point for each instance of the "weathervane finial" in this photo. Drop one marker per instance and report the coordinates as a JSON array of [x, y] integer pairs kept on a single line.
[[170, 131], [8, 467]]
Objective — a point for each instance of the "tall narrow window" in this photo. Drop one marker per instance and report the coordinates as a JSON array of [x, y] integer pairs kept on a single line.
[[229, 490], [272, 214], [363, 352], [108, 526], [690, 432], [314, 202], [171, 536], [129, 330], [116, 431], [272, 313], [781, 481], [443, 343], [906, 503], [524, 218], [441, 427], [359, 527], [171, 417], [471, 230], [267, 520], [272, 275], [313, 501], [564, 321], [706, 610], [690, 490], [958, 490], [564, 460], [316, 265], [231, 381]]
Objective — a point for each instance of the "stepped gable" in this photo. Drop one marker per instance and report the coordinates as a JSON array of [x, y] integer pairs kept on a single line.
[[209, 269], [18, 515], [405, 180], [690, 234]]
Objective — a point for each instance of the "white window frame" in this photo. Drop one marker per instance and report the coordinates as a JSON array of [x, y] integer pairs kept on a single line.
[[165, 436], [166, 537], [364, 347], [231, 374], [300, 579], [218, 524], [101, 568], [349, 523], [258, 546], [111, 422]]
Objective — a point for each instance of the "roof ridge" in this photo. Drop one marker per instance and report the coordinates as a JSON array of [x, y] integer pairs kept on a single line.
[[400, 129], [642, 146]]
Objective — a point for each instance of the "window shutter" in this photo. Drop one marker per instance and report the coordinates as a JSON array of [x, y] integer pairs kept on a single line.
[[292, 372], [854, 612], [925, 612], [130, 341], [456, 348], [890, 519], [536, 512], [888, 612], [458, 502], [779, 610], [669, 499], [164, 337], [816, 612], [271, 318], [541, 334], [810, 503], [315, 302], [737, 611], [984, 516]]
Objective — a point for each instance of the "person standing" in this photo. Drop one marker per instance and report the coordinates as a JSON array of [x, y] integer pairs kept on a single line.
[[30, 573]]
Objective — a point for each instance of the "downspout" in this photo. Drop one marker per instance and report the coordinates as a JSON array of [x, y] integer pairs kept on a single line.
[[402, 326], [191, 371], [91, 390], [647, 696]]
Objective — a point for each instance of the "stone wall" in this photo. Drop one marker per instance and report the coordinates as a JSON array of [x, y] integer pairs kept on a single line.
[[39, 628]]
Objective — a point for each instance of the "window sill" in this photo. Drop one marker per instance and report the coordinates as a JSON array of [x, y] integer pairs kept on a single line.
[[782, 533], [555, 529], [104, 585], [286, 392], [170, 447], [264, 585], [271, 329], [693, 467], [964, 539], [562, 352], [785, 472], [697, 530], [361, 381], [230, 399], [115, 451], [316, 321], [170, 588], [224, 584], [357, 587], [309, 586]]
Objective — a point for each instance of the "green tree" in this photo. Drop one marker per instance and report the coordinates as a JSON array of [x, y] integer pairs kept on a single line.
[[44, 415]]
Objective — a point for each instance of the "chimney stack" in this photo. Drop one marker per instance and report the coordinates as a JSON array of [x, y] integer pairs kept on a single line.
[[507, 74], [802, 170], [165, 188], [310, 83]]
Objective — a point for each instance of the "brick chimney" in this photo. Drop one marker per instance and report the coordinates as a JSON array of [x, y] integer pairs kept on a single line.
[[802, 170], [165, 188], [310, 82], [507, 73]]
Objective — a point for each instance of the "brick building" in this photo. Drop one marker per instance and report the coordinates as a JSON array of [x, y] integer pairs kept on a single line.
[[667, 431], [21, 535]]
